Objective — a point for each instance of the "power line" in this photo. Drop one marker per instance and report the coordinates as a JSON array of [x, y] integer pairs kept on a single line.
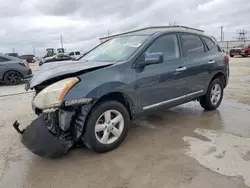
[[242, 34]]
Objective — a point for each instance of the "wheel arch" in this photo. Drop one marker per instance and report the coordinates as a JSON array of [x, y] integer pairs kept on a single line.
[[119, 97], [221, 76]]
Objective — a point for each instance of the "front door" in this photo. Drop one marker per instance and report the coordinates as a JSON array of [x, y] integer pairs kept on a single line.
[[163, 83]]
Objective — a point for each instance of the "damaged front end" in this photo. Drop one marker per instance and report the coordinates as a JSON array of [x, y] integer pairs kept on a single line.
[[59, 124], [54, 132]]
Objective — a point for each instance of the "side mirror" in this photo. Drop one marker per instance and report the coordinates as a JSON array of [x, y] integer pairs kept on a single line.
[[151, 58]]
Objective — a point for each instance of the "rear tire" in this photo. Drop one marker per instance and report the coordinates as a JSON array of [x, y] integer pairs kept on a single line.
[[102, 133], [214, 95], [12, 77]]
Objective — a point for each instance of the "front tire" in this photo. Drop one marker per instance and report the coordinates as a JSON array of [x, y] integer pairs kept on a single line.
[[231, 55], [106, 127], [214, 95]]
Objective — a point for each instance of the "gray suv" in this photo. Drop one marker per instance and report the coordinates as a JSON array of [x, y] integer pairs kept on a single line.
[[92, 100]]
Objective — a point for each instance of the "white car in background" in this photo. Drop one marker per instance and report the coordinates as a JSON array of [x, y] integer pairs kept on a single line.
[[75, 54]]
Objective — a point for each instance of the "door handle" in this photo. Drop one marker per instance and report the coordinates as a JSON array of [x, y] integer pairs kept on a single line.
[[211, 62], [181, 69]]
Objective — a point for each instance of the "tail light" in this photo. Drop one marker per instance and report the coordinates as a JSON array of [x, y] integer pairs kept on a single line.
[[24, 63], [227, 59]]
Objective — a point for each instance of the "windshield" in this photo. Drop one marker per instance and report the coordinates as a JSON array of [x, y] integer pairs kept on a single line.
[[117, 49], [242, 46]]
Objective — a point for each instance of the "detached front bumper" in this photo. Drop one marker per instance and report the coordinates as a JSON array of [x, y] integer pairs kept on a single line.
[[38, 139], [53, 133]]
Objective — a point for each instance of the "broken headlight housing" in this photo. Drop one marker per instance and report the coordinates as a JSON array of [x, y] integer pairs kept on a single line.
[[52, 96]]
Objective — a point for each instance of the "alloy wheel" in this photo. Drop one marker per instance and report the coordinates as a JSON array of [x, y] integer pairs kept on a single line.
[[215, 94], [13, 77], [109, 127]]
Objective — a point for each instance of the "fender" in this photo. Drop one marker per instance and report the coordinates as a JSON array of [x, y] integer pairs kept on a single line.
[[117, 78]]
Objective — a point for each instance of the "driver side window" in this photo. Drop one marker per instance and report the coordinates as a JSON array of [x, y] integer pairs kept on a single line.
[[167, 45]]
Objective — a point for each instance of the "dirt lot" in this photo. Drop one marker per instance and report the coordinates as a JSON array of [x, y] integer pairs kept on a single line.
[[182, 147]]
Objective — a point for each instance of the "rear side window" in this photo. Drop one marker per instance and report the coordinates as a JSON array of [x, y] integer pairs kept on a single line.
[[192, 44], [3, 59], [71, 53], [210, 44], [77, 53], [168, 45]]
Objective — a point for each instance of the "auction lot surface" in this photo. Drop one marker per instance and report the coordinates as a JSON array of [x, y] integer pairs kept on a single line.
[[180, 147]]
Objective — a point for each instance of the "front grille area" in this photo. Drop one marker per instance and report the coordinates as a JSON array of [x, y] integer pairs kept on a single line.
[[235, 50]]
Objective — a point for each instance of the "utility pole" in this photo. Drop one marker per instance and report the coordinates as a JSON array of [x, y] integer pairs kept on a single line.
[[61, 41], [172, 23], [221, 34], [108, 32], [13, 50], [34, 52]]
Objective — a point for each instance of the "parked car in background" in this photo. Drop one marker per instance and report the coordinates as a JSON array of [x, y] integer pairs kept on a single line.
[[57, 57], [75, 54], [93, 99], [242, 49], [28, 58], [12, 54], [13, 69]]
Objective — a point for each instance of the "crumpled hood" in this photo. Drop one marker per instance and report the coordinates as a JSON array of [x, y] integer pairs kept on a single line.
[[54, 69]]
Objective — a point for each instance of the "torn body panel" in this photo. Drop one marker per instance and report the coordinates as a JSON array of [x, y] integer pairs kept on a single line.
[[52, 134]]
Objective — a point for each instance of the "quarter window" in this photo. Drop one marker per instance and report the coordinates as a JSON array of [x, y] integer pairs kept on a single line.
[[209, 42], [168, 45], [192, 44]]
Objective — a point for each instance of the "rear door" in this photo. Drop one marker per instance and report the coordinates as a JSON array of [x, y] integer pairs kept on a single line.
[[163, 83], [215, 57], [3, 66], [197, 61]]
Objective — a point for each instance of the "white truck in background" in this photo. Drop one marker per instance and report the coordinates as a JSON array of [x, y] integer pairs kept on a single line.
[[75, 54]]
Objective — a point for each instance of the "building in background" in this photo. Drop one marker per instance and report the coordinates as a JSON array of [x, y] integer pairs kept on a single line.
[[160, 28]]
